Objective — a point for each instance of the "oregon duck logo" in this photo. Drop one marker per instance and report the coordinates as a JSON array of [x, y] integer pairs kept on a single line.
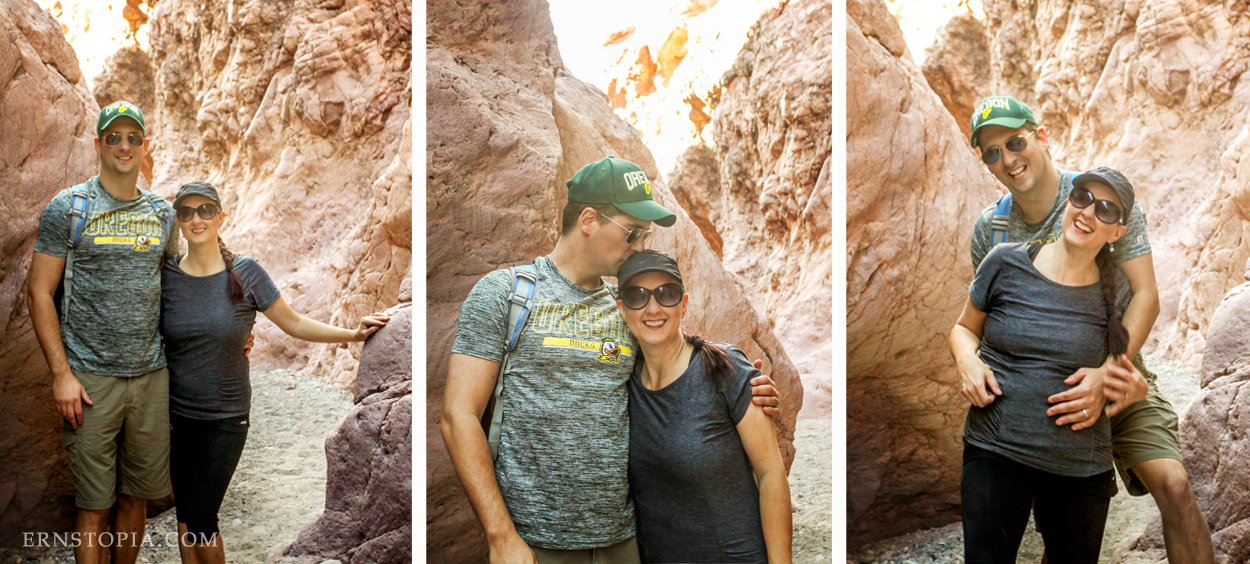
[[986, 113], [609, 351], [142, 243]]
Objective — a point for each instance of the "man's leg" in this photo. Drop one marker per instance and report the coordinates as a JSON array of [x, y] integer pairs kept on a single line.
[[128, 528], [89, 525], [1185, 532]]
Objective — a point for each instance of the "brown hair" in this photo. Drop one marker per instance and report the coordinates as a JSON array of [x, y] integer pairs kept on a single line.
[[573, 210], [1117, 335], [235, 283]]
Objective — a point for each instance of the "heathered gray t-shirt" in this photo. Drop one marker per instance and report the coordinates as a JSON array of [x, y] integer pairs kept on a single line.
[[565, 435], [1037, 333], [1133, 244], [205, 332], [693, 486], [116, 297]]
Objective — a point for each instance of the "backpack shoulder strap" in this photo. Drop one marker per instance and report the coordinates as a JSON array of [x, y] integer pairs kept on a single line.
[[163, 213], [77, 221], [520, 305], [998, 225]]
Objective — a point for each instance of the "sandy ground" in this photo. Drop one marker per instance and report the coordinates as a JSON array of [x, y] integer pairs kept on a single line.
[[280, 480], [1126, 519], [811, 477]]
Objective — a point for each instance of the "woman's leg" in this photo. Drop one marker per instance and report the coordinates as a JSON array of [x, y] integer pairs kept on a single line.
[[208, 452], [997, 497], [1071, 514]]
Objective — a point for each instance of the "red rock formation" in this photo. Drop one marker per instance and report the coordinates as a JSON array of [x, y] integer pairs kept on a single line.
[[642, 73], [367, 517], [299, 112], [506, 128], [672, 52], [48, 117], [128, 75], [957, 67], [914, 189]]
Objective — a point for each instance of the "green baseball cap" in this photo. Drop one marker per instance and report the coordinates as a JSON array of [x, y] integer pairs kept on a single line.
[[120, 108], [1000, 110], [621, 183]]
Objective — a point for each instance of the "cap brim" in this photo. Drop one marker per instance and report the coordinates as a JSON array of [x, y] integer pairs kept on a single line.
[[1008, 122], [648, 210]]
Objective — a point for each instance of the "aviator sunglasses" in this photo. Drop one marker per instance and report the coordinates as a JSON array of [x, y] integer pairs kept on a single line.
[[205, 211], [667, 295], [634, 234], [1106, 211], [114, 139], [1015, 145]]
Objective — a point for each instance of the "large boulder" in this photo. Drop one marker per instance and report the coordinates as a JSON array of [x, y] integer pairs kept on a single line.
[[299, 111], [507, 127], [48, 116], [957, 67], [367, 517], [914, 189]]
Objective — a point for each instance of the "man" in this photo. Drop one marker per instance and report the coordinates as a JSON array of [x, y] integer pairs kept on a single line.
[[103, 348], [1145, 442], [558, 491]]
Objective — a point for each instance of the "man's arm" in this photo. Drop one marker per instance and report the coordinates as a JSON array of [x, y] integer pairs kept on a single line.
[[1126, 383], [470, 383], [45, 275]]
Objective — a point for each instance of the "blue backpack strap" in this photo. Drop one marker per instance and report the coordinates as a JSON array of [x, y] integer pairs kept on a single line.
[[520, 306], [998, 225], [77, 222], [164, 215]]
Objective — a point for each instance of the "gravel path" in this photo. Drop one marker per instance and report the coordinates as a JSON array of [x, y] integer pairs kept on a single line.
[[811, 477], [1126, 520], [279, 482]]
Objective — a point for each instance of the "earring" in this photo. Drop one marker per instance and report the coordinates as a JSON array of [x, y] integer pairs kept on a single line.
[[1112, 247]]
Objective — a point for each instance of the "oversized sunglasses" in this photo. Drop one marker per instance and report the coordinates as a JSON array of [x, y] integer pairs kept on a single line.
[[205, 211], [1106, 211], [1015, 145], [637, 297], [114, 139], [634, 234]]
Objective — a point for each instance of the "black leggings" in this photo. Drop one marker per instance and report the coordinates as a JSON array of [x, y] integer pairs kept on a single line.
[[998, 493], [202, 458]]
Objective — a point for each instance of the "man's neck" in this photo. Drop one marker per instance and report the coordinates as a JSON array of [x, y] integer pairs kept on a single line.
[[566, 259], [1036, 204], [121, 187]]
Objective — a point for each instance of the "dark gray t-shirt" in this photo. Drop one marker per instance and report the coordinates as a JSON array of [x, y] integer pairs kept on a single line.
[[116, 296], [693, 487], [1037, 333], [205, 332], [564, 442]]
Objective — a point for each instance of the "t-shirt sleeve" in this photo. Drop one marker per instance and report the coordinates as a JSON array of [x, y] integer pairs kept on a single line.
[[735, 385], [175, 234], [482, 328], [981, 291], [256, 282], [53, 237], [1134, 243], [981, 235]]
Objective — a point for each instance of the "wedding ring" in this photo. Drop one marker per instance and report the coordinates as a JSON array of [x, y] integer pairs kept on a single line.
[[1086, 413]]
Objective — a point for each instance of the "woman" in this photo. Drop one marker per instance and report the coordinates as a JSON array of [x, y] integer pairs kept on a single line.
[[1035, 315], [209, 300], [695, 438]]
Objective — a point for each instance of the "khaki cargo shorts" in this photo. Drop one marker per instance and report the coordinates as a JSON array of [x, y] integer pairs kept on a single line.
[[625, 552], [1144, 431], [123, 442]]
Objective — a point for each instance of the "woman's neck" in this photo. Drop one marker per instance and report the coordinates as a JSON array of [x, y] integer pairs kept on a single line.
[[202, 260], [1068, 265], [665, 362]]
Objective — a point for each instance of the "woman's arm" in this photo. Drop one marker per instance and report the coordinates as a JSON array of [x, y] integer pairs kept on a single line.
[[974, 374], [300, 327], [760, 442]]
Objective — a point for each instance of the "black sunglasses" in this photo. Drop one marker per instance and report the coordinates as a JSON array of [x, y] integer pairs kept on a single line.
[[1106, 211], [637, 297], [114, 139], [1015, 145], [206, 212], [634, 234]]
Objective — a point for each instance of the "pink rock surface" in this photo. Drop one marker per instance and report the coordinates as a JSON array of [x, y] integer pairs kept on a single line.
[[48, 116], [914, 189], [507, 126]]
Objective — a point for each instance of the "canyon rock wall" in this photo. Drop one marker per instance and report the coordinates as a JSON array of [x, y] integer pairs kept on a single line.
[[914, 189], [299, 112], [507, 127], [772, 210], [1152, 88], [367, 517], [48, 116], [957, 67]]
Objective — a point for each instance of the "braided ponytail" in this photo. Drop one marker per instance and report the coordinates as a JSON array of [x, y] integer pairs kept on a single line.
[[1117, 335], [236, 283], [715, 360]]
